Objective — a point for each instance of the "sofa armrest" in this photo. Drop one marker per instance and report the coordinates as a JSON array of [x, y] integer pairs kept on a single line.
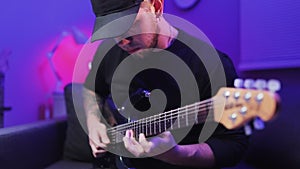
[[33, 145]]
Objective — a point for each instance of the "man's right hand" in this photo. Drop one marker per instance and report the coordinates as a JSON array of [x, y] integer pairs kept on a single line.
[[98, 138]]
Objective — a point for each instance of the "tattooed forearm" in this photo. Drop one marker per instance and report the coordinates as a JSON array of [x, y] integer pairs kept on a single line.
[[97, 107], [91, 103]]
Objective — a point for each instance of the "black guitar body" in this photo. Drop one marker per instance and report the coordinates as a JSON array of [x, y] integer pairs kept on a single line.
[[113, 117]]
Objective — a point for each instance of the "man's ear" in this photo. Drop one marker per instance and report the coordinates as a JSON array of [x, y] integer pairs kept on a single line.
[[159, 6]]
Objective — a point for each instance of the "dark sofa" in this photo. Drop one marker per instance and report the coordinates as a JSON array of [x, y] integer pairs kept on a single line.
[[52, 144], [36, 146]]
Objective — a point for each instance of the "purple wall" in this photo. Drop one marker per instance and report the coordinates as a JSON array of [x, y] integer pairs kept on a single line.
[[29, 29], [218, 19]]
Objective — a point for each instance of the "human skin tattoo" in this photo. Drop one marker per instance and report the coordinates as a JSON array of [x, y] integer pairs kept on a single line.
[[92, 103]]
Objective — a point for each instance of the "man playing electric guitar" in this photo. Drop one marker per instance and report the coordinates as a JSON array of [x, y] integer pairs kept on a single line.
[[161, 53]]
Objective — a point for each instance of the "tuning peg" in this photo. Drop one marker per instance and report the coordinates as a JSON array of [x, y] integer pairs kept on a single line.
[[238, 83], [260, 84], [258, 124], [247, 129], [274, 85], [249, 83]]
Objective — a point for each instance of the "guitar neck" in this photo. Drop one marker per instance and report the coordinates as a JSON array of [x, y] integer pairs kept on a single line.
[[175, 119], [231, 107]]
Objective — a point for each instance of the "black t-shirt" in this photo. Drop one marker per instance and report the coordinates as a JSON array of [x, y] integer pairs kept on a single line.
[[208, 66]]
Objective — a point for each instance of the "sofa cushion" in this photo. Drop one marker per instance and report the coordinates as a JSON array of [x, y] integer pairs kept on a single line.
[[76, 143], [33, 145]]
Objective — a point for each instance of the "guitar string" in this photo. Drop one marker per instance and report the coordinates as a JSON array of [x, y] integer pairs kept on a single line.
[[118, 138], [142, 123], [150, 131], [178, 111], [166, 117], [201, 118], [161, 118]]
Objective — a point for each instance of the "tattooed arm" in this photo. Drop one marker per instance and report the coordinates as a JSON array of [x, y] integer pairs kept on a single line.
[[98, 138]]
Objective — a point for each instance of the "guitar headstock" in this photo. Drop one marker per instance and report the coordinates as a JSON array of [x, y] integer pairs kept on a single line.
[[240, 105]]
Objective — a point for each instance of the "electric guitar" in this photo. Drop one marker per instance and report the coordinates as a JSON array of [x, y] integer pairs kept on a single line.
[[232, 107]]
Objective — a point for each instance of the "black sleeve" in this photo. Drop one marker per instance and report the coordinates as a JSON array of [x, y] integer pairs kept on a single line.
[[228, 146]]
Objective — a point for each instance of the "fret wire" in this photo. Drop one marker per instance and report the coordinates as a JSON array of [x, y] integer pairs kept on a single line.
[[155, 128], [146, 127], [161, 120], [136, 129], [201, 104], [186, 117], [174, 117], [172, 121], [140, 126], [196, 115], [178, 118], [206, 115], [192, 112], [196, 105], [200, 117], [159, 129], [120, 140], [154, 125], [203, 118], [165, 122], [150, 126], [118, 128]]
